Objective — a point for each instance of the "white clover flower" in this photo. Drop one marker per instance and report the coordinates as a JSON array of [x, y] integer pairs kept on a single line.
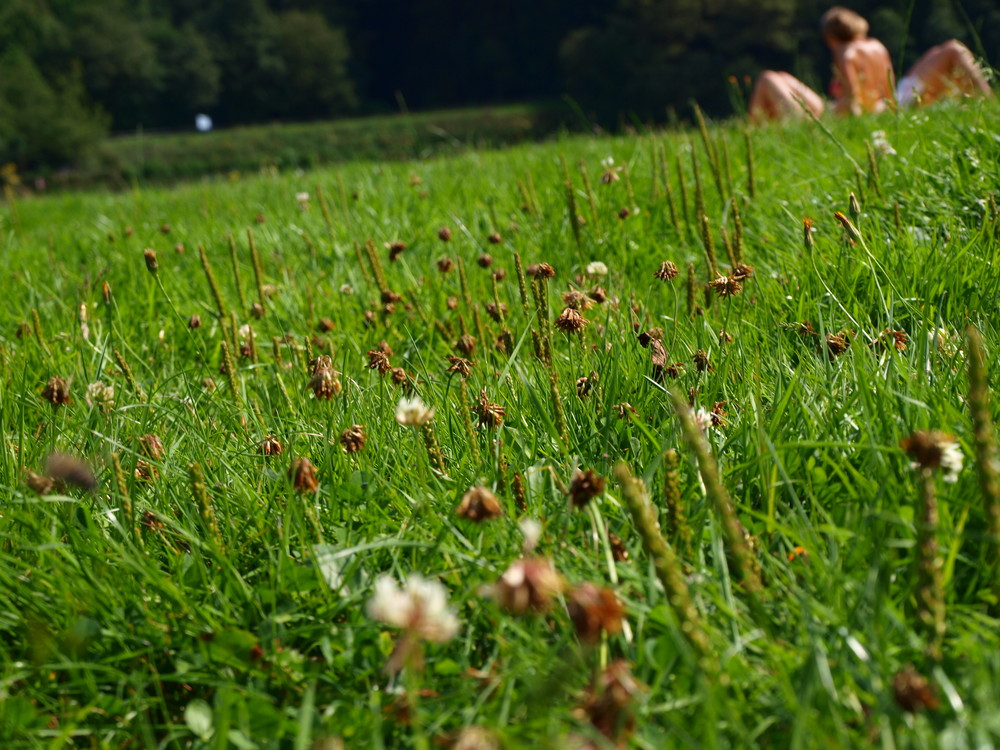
[[951, 461], [881, 144], [703, 418], [597, 268], [346, 289], [412, 412], [302, 197], [421, 607], [607, 162], [100, 395], [532, 531]]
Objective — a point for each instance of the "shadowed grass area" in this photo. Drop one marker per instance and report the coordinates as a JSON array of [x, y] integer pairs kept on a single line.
[[199, 599]]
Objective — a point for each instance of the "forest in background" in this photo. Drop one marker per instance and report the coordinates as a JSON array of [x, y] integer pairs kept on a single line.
[[72, 71]]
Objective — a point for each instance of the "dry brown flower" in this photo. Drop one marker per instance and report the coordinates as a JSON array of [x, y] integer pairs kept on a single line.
[[353, 438], [71, 470], [667, 271], [599, 294], [912, 691], [445, 265], [444, 234], [585, 385], [494, 238], [593, 610], [584, 487], [149, 255], [479, 504], [701, 362], [194, 322], [56, 392], [718, 414], [577, 300], [452, 302], [741, 272], [325, 383], [466, 344], [500, 274], [898, 339], [608, 703], [490, 414], [379, 360], [571, 321], [838, 343], [302, 474], [485, 260], [541, 271], [395, 250], [726, 286], [496, 313], [618, 549], [390, 297], [460, 365], [325, 325], [270, 446], [40, 484], [624, 409], [624, 213], [529, 584], [151, 447], [257, 310]]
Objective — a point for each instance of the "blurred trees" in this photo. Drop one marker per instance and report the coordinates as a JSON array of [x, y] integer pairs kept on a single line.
[[72, 69]]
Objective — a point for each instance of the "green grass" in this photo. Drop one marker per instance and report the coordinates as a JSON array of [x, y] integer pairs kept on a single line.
[[189, 632]]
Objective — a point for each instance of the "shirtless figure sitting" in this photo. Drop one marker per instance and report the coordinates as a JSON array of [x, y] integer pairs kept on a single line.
[[863, 78]]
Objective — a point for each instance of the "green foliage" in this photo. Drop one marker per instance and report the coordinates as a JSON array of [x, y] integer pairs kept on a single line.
[[42, 122]]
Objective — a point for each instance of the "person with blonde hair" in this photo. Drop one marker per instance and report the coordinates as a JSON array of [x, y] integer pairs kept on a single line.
[[863, 79]]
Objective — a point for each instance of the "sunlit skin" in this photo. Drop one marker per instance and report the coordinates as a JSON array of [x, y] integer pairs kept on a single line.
[[864, 82]]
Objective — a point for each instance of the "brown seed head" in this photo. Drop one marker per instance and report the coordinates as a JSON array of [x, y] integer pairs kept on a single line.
[[152, 265], [496, 313], [624, 213], [444, 234], [927, 448], [599, 294], [594, 610], [912, 691], [377, 360], [395, 250], [390, 297], [466, 344], [325, 384], [577, 300], [325, 325], [571, 321], [302, 474], [39, 484], [353, 438], [529, 584], [445, 265], [56, 392], [500, 274], [667, 271], [542, 271], [741, 272], [71, 470], [624, 409], [837, 343], [701, 362], [584, 487], [485, 260], [452, 302], [460, 365], [608, 703], [194, 322], [270, 446], [489, 414], [494, 238], [479, 504], [151, 447], [257, 310]]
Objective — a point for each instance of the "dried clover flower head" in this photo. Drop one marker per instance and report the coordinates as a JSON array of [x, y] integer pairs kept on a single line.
[[494, 238], [585, 384], [497, 313], [70, 470], [479, 504], [593, 610], [395, 250], [325, 384], [302, 473], [598, 293], [932, 450], [912, 691], [460, 365], [726, 286], [896, 339], [701, 362], [466, 344], [529, 584], [489, 413], [151, 447], [608, 703], [444, 234], [420, 607], [838, 343], [446, 264], [149, 255], [584, 487], [624, 409], [353, 438], [270, 446], [485, 260], [667, 271], [577, 300], [379, 360], [741, 272], [412, 412], [541, 271], [56, 392], [571, 321], [194, 322]]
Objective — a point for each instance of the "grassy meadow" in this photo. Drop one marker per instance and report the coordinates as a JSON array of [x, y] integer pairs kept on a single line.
[[754, 528]]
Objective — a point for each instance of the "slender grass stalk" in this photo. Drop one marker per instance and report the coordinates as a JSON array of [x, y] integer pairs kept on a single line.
[[930, 587], [129, 377], [751, 183], [591, 197], [206, 511], [237, 276], [258, 270], [213, 285]]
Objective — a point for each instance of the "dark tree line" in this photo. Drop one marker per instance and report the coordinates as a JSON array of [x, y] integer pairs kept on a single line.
[[70, 70]]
